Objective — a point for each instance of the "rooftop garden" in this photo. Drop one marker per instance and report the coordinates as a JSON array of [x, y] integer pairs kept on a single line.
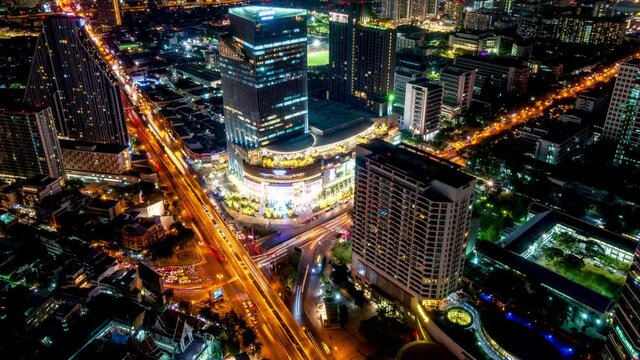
[[583, 261]]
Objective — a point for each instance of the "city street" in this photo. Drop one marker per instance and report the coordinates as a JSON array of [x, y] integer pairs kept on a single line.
[[279, 332], [308, 293]]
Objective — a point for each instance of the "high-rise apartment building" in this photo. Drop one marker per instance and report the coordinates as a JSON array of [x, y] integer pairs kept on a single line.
[[411, 221], [598, 31], [263, 62], [395, 10], [69, 75], [405, 10], [627, 149], [623, 342], [454, 11], [362, 59], [480, 20], [457, 85], [422, 106], [617, 115], [28, 144], [420, 9]]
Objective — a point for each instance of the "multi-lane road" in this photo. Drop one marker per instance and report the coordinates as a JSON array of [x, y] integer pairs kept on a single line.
[[277, 328], [532, 111], [277, 252]]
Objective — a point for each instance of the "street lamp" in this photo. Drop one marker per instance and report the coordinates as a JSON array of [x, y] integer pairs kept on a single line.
[[219, 277]]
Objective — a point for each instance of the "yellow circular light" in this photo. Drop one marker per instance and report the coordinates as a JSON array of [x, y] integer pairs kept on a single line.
[[459, 317]]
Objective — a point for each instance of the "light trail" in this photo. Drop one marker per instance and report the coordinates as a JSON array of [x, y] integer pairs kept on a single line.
[[527, 113], [281, 250], [292, 340]]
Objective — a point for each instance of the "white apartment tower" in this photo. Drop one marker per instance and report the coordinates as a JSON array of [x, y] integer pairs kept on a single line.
[[411, 222], [615, 123], [422, 106]]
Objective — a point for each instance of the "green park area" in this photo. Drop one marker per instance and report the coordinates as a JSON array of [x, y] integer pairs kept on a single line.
[[318, 58], [584, 262], [498, 210]]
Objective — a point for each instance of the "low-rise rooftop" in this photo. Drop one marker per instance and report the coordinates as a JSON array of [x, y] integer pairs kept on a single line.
[[92, 147]]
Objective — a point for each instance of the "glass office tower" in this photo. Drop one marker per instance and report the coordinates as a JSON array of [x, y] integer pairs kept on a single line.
[[263, 61]]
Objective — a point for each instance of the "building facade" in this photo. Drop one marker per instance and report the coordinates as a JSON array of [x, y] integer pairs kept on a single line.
[[475, 44], [263, 61], [598, 31], [422, 106], [362, 59], [140, 234], [557, 143], [478, 20], [617, 115], [591, 101], [395, 10], [537, 27], [454, 11], [627, 149], [69, 75], [521, 51], [34, 189], [494, 73], [402, 77], [411, 223], [623, 342], [28, 144], [457, 85], [91, 158]]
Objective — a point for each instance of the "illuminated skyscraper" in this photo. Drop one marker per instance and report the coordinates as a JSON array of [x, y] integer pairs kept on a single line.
[[627, 149], [69, 75], [28, 144], [263, 61], [617, 116], [623, 342], [362, 59], [411, 221]]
